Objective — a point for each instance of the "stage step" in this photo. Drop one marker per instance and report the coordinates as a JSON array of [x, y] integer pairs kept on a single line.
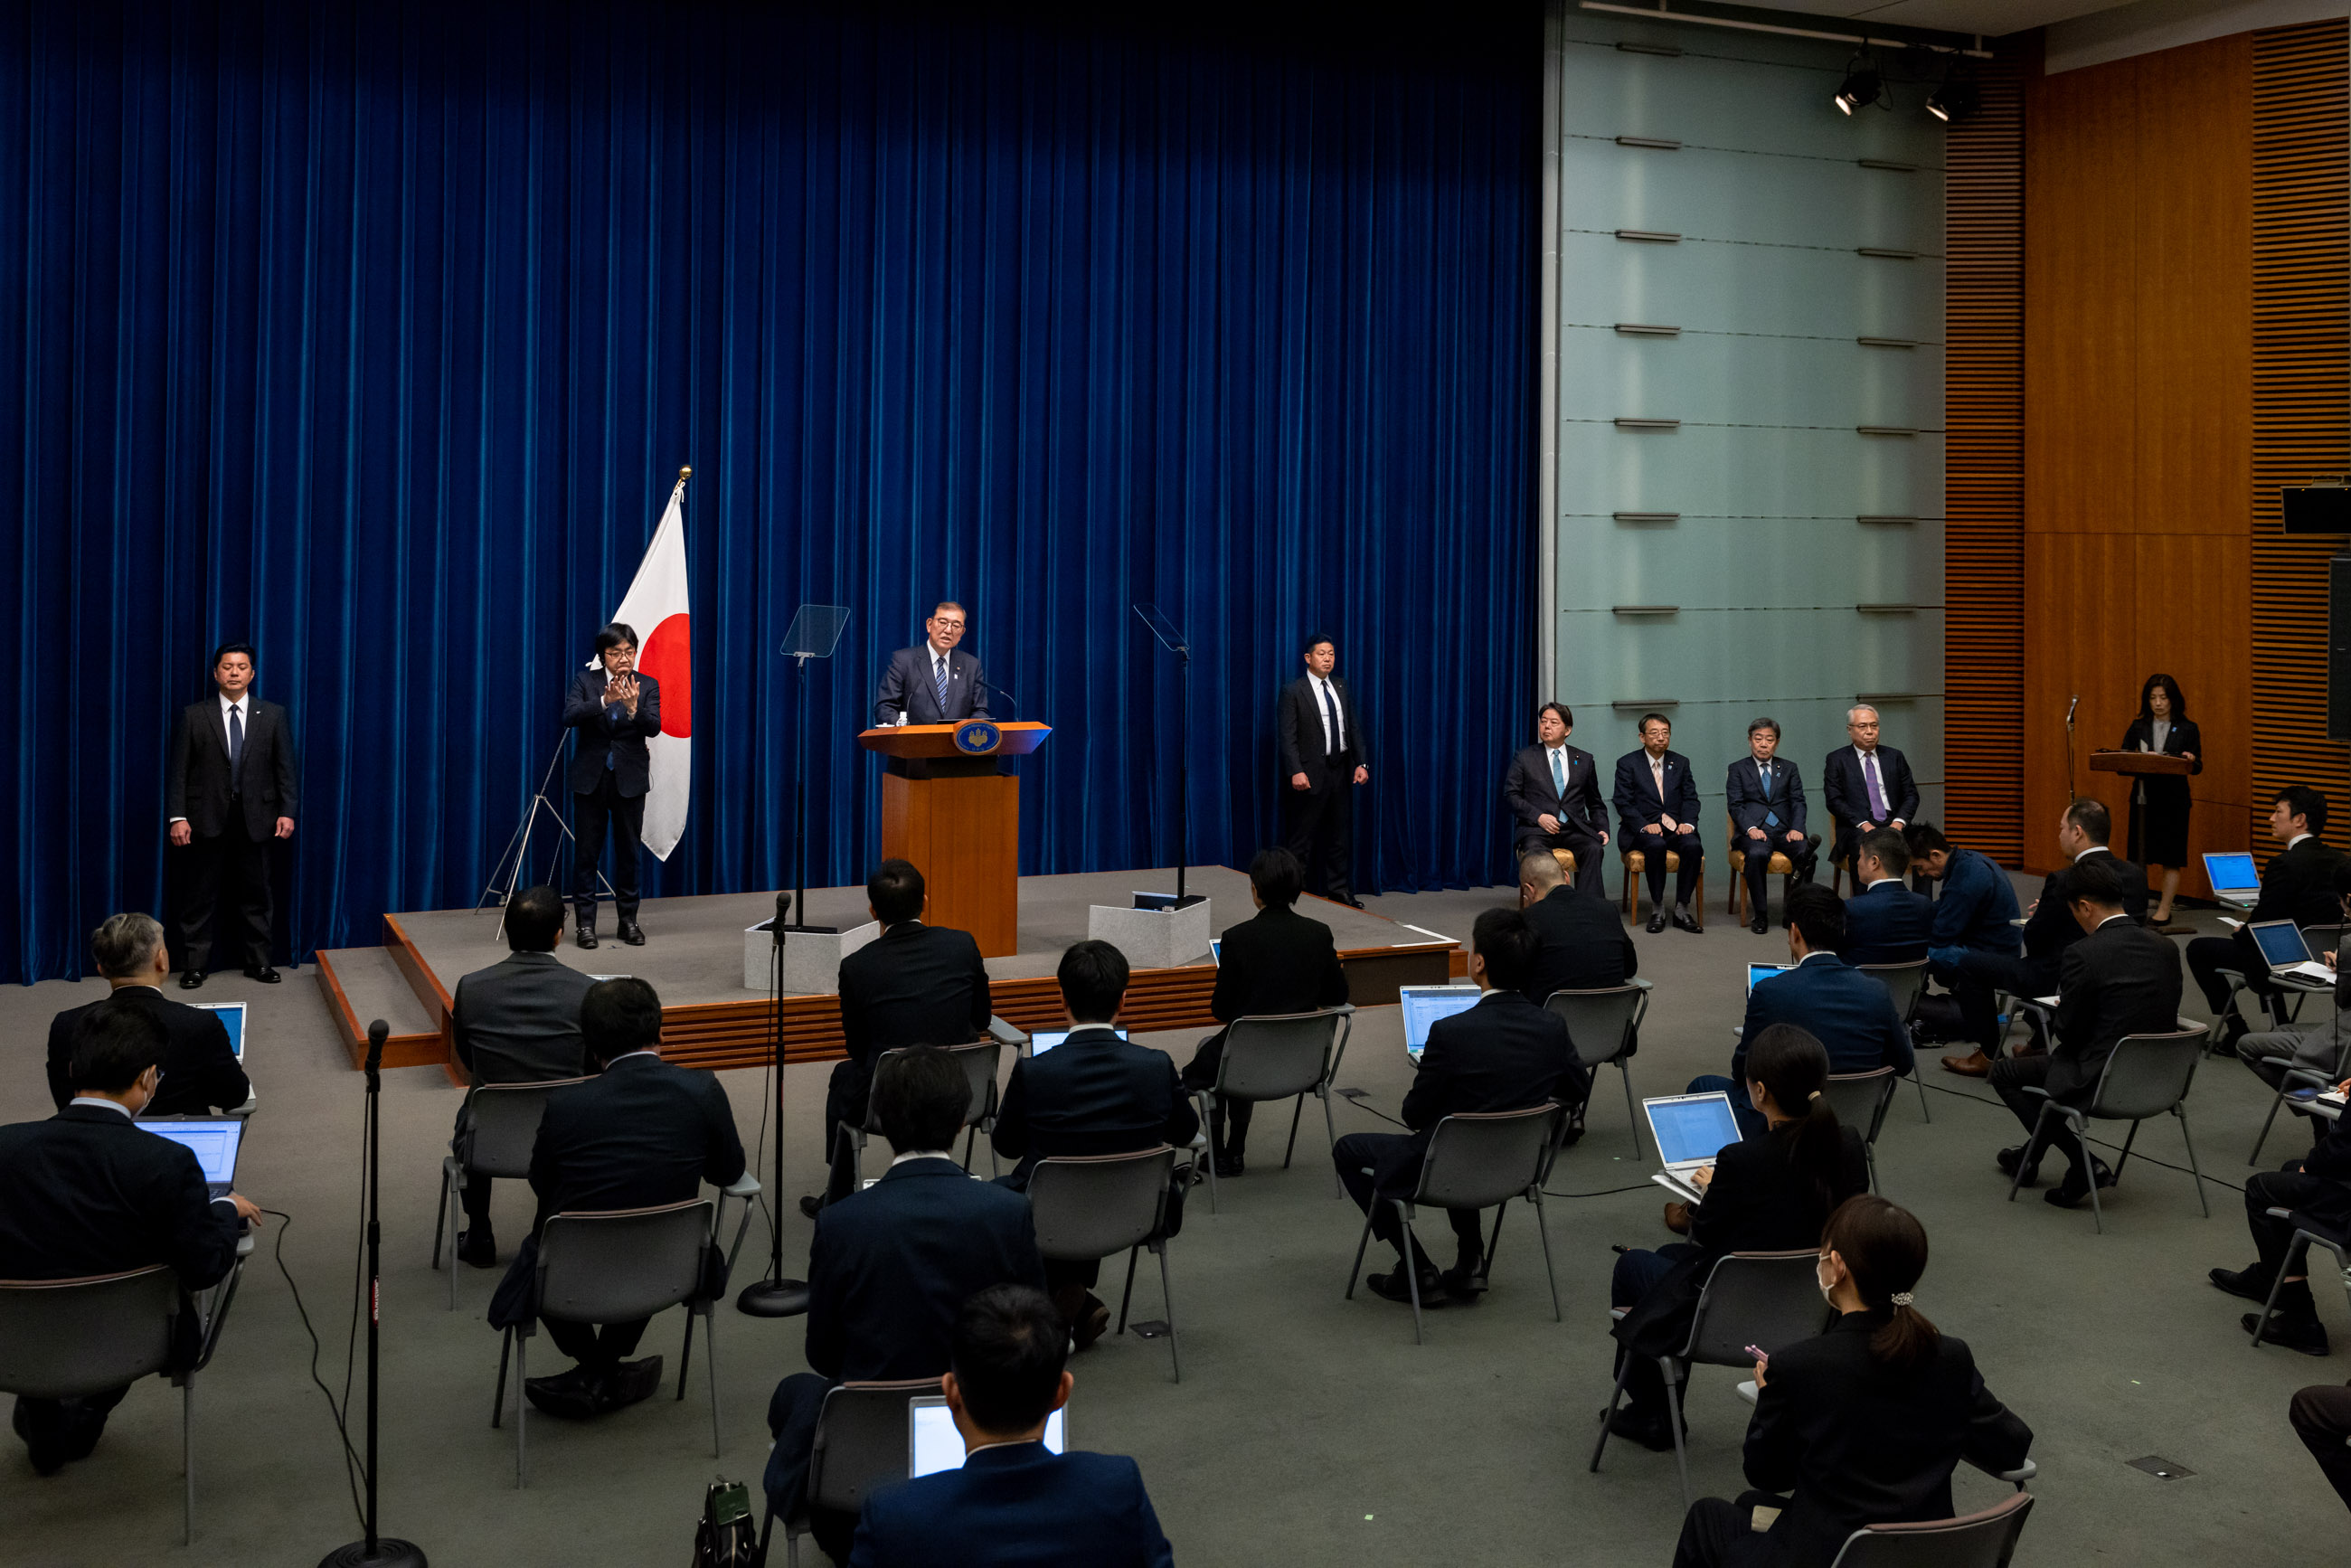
[[363, 984]]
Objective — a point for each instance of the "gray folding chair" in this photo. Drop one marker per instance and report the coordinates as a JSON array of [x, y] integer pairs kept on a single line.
[[1861, 1100], [1097, 1206], [1281, 1056], [2145, 1075], [2307, 1233], [615, 1265], [1605, 1025], [1477, 1159], [63, 1339], [498, 1143], [981, 1060], [1983, 1539], [1905, 983], [2293, 1078], [863, 1442], [1763, 1298]]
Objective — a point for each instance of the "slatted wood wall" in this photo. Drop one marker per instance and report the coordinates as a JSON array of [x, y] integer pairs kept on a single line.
[[1983, 480], [2302, 392]]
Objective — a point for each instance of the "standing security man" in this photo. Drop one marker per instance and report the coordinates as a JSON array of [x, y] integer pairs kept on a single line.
[[232, 791], [1322, 754], [615, 710]]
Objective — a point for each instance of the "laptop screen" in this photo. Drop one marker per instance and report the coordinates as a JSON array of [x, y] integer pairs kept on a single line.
[[1691, 1126], [1217, 951], [2281, 942], [937, 1445], [2232, 872], [232, 1017], [1045, 1039], [1424, 1005], [1758, 973], [213, 1140]]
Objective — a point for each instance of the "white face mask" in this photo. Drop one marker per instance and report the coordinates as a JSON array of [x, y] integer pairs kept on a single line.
[[1820, 1278]]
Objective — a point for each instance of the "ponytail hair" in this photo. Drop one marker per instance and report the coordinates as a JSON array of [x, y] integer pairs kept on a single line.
[[1885, 1249], [1794, 1067]]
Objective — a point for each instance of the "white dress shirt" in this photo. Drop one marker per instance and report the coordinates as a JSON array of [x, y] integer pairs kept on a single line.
[[1334, 740]]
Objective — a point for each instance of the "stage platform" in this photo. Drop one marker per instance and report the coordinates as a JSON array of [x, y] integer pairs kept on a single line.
[[693, 956]]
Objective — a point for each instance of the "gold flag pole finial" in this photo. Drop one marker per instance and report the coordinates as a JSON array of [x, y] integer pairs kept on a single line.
[[684, 474]]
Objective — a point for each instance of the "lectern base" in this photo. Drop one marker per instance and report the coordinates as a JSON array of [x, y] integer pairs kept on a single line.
[[388, 1553]]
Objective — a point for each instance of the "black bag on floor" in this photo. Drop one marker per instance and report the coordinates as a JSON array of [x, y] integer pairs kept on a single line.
[[1936, 1020], [728, 1537]]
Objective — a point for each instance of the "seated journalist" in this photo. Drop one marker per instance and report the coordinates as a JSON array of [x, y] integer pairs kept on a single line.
[[199, 1070], [1884, 921]]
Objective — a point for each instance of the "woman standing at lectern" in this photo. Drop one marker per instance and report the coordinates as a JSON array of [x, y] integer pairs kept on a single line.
[[2158, 802]]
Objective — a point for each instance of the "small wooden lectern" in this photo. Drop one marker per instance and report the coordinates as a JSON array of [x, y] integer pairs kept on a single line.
[[960, 821], [2137, 762]]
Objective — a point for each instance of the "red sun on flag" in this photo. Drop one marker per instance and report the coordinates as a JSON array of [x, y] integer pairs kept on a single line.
[[668, 658]]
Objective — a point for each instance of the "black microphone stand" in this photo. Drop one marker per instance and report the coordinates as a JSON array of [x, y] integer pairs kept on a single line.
[[374, 1552], [776, 1296]]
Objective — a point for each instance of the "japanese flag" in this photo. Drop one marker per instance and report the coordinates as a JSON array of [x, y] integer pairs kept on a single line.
[[655, 605]]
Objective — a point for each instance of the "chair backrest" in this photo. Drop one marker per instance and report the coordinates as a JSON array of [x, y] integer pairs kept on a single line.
[[1282, 1054], [2322, 938], [1765, 1299], [505, 1125], [1092, 1206], [63, 1338], [2146, 1074], [863, 1441], [1477, 1159], [980, 1062], [1986, 1540], [1860, 1099], [1600, 1022], [618, 1264], [1904, 982]]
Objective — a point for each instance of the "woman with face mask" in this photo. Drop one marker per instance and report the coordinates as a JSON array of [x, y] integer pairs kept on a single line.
[[1770, 1194], [1864, 1424]]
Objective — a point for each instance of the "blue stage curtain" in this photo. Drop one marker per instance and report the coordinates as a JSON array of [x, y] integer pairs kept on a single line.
[[376, 334]]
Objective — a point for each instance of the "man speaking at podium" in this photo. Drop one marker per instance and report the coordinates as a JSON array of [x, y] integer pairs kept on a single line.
[[931, 683]]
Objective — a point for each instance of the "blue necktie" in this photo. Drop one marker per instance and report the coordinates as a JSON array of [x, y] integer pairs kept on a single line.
[[1331, 712], [1558, 777], [1771, 818], [235, 749], [939, 680]]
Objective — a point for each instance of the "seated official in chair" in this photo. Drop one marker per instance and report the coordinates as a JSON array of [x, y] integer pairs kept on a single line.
[[1014, 1503], [1766, 798], [2317, 1046], [2119, 979], [516, 1021], [2318, 1188], [639, 1134], [1867, 786], [912, 985], [1277, 961], [1975, 920], [1850, 1013], [1553, 790], [1770, 1193], [1864, 1424], [200, 1070], [1094, 1093], [891, 1268], [2049, 929], [1581, 942], [88, 1193], [2298, 885], [1656, 813], [1884, 921], [1503, 1054]]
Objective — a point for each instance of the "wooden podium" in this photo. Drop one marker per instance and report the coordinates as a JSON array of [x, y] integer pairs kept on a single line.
[[2140, 762], [957, 817]]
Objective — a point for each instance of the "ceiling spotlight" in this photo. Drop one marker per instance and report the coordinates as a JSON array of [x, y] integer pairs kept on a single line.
[[1953, 101], [1861, 85]]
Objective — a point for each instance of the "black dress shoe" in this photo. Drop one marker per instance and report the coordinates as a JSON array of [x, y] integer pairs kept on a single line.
[[2246, 1282], [631, 935], [2008, 1160], [572, 1394], [1092, 1321], [810, 1203], [1653, 1429], [1761, 926], [1230, 1166], [628, 1383], [478, 1247], [1657, 922], [191, 980], [1393, 1287], [1463, 1284], [2306, 1334], [264, 973], [1685, 921], [1349, 899], [2073, 1189], [586, 936]]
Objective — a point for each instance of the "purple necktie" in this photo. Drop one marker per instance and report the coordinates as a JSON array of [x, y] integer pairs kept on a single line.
[[1876, 795]]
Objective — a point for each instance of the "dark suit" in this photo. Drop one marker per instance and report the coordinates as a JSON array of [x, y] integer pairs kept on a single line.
[[610, 770], [1847, 790], [1639, 805], [2298, 885], [1778, 808], [1886, 923], [889, 1269], [640, 1135], [1852, 1441], [2317, 1186], [91, 1193], [912, 985], [516, 1021], [1277, 961], [1318, 818], [910, 688], [1847, 1011], [232, 812], [2159, 803], [1531, 793], [1581, 945], [2120, 979], [1016, 1505], [1504, 1054], [2049, 931], [200, 1070]]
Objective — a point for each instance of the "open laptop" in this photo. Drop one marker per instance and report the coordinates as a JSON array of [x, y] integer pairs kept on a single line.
[[1424, 1005], [2287, 953], [935, 1445], [1691, 1130], [1758, 973], [214, 1141], [232, 1017], [2233, 876], [1045, 1039]]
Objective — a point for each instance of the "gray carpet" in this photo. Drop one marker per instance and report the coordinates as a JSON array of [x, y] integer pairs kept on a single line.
[[1308, 1430]]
